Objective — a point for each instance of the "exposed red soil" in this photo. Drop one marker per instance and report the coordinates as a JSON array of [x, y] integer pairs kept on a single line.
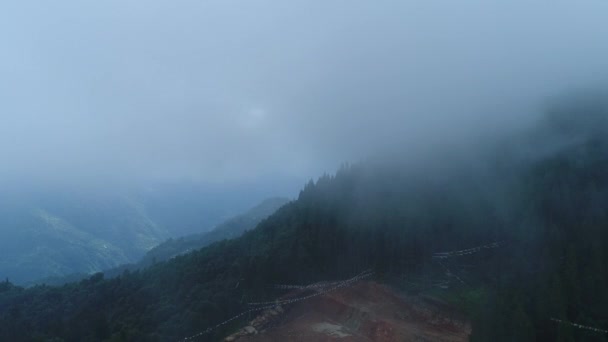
[[367, 311]]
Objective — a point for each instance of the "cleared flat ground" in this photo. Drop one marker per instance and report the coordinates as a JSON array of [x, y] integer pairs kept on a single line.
[[367, 311]]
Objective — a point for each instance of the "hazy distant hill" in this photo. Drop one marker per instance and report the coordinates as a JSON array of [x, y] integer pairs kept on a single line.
[[47, 233], [53, 237], [230, 229]]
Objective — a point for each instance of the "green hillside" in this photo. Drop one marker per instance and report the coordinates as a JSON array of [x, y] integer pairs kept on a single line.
[[53, 232], [41, 238], [171, 248]]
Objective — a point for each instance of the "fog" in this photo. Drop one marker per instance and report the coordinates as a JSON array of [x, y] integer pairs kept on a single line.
[[226, 91]]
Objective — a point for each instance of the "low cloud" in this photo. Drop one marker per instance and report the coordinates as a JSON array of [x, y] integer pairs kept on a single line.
[[228, 91]]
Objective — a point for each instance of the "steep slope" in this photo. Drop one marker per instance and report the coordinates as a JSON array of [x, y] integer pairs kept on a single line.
[[230, 229]]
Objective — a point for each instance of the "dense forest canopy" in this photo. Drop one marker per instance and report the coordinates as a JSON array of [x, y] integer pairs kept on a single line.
[[539, 197]]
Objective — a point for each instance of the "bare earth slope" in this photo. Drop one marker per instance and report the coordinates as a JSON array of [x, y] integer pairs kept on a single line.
[[366, 311]]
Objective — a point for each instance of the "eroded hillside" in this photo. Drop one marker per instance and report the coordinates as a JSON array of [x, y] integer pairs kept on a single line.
[[367, 311]]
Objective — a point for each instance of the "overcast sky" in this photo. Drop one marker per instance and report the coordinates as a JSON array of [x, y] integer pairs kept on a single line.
[[242, 90]]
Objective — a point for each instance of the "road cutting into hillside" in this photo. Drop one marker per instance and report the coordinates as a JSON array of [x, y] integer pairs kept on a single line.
[[367, 311]]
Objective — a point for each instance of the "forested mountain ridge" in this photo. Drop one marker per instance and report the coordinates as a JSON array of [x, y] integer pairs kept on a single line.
[[542, 206], [229, 229]]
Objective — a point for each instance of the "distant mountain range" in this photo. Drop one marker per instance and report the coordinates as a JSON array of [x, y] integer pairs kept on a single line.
[[59, 236], [232, 228], [53, 233]]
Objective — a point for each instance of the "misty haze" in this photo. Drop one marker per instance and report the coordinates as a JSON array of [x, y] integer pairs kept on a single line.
[[261, 171]]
